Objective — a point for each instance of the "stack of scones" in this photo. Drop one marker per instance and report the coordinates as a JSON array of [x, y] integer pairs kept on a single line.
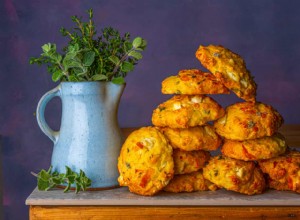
[[174, 155], [183, 119]]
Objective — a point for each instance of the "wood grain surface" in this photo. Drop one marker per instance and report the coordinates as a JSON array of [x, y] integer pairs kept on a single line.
[[161, 213]]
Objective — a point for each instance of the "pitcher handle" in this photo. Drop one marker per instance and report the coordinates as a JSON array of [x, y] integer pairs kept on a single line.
[[40, 111]]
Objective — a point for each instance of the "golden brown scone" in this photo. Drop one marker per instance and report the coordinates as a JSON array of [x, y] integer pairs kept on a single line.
[[247, 120], [230, 69], [195, 138], [190, 183], [189, 161], [145, 163], [193, 82], [236, 175], [283, 171], [183, 111], [255, 149], [273, 184]]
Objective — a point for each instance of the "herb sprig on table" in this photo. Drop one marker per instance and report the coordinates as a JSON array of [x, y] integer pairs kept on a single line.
[[109, 57], [46, 179]]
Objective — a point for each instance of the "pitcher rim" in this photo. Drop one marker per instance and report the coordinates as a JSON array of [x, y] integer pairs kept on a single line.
[[87, 82]]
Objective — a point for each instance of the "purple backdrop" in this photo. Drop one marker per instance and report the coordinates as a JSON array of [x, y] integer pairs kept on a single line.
[[266, 33]]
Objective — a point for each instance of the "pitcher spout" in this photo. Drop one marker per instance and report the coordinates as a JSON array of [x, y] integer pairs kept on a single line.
[[114, 92]]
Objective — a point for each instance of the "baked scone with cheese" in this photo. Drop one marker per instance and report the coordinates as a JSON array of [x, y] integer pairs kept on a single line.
[[193, 82], [194, 138], [247, 120], [145, 163], [189, 161], [283, 171], [235, 175], [190, 183], [183, 111], [230, 69], [255, 149]]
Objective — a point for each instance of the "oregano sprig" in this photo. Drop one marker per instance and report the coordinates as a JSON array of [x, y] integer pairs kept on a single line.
[[46, 179], [109, 57], [131, 50]]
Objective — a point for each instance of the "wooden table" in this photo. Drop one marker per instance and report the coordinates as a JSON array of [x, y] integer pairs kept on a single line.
[[121, 204]]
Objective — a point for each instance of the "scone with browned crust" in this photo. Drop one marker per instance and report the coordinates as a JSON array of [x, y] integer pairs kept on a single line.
[[189, 161], [193, 82], [145, 163], [183, 111], [194, 138], [283, 171], [235, 175], [247, 120], [190, 183], [255, 149], [230, 69]]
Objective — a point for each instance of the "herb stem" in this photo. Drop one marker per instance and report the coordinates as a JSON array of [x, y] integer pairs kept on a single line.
[[34, 174], [121, 61], [70, 35]]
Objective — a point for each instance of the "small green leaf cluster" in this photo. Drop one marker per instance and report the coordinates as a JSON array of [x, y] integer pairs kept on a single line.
[[109, 57], [46, 179]]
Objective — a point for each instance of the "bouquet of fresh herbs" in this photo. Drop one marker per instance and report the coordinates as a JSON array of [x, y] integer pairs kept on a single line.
[[109, 57]]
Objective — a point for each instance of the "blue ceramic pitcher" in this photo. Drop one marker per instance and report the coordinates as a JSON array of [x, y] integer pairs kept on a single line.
[[89, 137]]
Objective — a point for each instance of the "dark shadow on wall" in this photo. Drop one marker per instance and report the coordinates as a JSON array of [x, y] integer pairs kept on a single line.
[[20, 184]]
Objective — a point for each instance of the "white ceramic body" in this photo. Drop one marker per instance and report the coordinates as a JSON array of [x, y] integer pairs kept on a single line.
[[89, 137]]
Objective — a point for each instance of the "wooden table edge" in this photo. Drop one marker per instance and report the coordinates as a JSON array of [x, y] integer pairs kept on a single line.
[[163, 212]]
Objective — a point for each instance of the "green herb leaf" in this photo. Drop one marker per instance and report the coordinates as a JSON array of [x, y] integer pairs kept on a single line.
[[42, 184], [137, 42], [71, 178], [68, 171], [99, 77], [88, 58], [81, 173], [57, 180], [71, 63], [135, 54], [126, 67], [118, 80], [34, 60], [87, 181], [48, 47], [73, 78], [57, 75], [114, 59], [73, 48], [144, 44], [127, 46], [44, 175]]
